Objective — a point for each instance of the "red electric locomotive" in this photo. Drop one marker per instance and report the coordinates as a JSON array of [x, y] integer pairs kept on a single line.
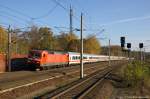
[[41, 59]]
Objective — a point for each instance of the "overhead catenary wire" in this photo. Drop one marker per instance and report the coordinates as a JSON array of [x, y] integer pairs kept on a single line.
[[18, 12], [9, 18], [47, 14], [14, 19], [27, 16], [30, 19], [85, 14], [14, 16], [62, 6], [35, 19], [68, 10], [22, 14], [3, 25]]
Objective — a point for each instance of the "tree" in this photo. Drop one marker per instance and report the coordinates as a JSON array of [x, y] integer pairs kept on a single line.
[[43, 38], [92, 45], [74, 45], [66, 41], [115, 50], [33, 38], [46, 38], [3, 40]]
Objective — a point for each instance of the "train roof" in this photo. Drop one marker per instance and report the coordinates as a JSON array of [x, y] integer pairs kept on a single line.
[[56, 52], [84, 54], [50, 52], [61, 52]]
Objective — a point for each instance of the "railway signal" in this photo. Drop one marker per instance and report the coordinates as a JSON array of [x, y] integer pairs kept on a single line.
[[129, 47], [122, 41], [122, 45], [141, 46]]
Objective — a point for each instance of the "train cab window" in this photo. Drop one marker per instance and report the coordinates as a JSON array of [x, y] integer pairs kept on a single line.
[[35, 54], [44, 55]]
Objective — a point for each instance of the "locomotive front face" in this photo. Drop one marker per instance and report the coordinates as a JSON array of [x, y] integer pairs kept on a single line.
[[34, 57], [34, 54]]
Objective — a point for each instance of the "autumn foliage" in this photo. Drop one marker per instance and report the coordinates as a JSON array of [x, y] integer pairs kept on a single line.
[[44, 38]]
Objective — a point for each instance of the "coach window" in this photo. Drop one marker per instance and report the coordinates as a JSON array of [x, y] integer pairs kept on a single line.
[[84, 57], [76, 57], [73, 57]]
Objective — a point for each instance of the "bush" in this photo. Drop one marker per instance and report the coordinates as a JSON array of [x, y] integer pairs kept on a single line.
[[135, 73]]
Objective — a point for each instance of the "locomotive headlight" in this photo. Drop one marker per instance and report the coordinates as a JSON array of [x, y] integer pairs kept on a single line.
[[37, 62], [29, 61]]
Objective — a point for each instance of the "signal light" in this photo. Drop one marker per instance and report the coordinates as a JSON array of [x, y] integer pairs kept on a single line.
[[140, 45], [122, 40], [122, 45], [128, 45]]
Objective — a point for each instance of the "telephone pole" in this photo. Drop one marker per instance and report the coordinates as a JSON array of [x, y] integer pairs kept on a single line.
[[9, 49], [81, 48], [71, 15], [109, 54]]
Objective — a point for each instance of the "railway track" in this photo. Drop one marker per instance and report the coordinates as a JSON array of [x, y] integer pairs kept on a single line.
[[79, 89], [37, 76], [23, 86]]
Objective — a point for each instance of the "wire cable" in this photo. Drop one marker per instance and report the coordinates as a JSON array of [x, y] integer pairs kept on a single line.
[[47, 14], [14, 20], [18, 12], [22, 14], [16, 17]]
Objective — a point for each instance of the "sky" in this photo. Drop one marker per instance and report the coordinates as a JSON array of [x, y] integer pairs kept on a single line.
[[129, 18]]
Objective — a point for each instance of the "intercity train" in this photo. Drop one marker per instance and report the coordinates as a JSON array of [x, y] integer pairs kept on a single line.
[[43, 59]]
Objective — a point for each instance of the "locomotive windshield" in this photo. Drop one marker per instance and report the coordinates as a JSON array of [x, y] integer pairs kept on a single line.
[[34, 54]]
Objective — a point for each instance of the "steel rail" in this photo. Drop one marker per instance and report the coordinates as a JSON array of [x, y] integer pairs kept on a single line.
[[52, 77], [73, 87], [93, 86]]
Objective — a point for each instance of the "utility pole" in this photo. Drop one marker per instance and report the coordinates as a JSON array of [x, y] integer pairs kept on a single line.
[[109, 54], [81, 48], [9, 49], [141, 46], [141, 54], [71, 15], [129, 50]]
